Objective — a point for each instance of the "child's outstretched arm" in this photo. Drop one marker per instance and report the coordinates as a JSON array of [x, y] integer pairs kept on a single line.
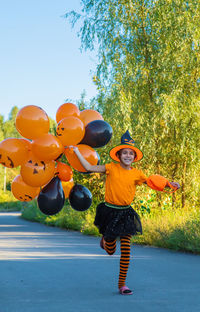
[[86, 164], [159, 183]]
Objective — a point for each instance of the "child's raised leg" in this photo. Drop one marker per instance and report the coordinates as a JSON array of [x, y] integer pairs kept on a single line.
[[109, 246]]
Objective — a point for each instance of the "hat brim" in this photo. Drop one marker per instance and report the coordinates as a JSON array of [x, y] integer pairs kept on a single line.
[[114, 150]]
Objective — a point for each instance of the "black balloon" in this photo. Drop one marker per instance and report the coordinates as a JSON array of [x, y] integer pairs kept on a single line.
[[97, 133], [80, 197], [51, 198]]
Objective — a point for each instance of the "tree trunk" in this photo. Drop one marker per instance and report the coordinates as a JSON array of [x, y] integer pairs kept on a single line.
[[4, 182], [183, 184], [173, 176], [158, 194]]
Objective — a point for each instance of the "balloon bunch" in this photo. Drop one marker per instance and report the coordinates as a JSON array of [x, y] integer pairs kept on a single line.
[[42, 175]]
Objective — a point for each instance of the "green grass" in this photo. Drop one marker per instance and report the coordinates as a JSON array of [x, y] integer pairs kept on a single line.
[[177, 229], [169, 228], [67, 218], [9, 203], [174, 229]]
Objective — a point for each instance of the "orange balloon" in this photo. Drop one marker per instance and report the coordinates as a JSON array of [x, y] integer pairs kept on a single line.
[[88, 153], [32, 121], [13, 152], [47, 147], [70, 131], [88, 115], [27, 143], [22, 191], [64, 171], [67, 186], [37, 172], [67, 110]]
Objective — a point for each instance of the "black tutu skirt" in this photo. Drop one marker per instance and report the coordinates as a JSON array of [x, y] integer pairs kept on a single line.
[[113, 222]]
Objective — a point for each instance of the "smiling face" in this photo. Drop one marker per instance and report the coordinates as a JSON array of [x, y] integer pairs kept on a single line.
[[22, 191], [37, 172], [6, 161], [126, 156], [70, 131], [13, 152]]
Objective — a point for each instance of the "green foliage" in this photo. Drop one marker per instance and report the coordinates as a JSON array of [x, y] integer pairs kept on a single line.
[[67, 218], [6, 176], [9, 203], [53, 126], [8, 126], [1, 128], [148, 81], [165, 227], [31, 212], [174, 229]]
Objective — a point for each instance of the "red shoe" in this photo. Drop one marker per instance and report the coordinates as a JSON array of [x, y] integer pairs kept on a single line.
[[124, 290]]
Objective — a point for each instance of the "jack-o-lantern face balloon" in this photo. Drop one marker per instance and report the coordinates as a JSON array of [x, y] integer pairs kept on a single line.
[[13, 152], [70, 131], [32, 121], [22, 191], [37, 172]]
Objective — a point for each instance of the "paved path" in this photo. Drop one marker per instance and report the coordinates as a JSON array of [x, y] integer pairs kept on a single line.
[[45, 269]]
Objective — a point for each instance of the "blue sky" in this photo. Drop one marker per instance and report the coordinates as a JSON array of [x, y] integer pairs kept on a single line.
[[40, 59]]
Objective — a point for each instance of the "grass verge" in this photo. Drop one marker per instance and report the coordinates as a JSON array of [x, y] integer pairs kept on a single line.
[[9, 203], [176, 229], [173, 229]]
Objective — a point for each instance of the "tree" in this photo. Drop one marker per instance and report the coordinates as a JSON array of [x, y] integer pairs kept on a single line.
[[1, 128], [9, 128], [13, 113], [148, 78]]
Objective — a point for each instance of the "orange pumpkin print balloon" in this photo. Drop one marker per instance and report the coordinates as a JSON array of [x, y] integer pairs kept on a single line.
[[86, 151], [67, 110], [64, 172], [70, 131], [32, 121], [88, 115], [13, 152], [22, 191], [37, 172], [47, 147], [67, 186]]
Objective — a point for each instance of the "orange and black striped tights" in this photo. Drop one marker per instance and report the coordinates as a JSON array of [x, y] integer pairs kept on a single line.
[[110, 247]]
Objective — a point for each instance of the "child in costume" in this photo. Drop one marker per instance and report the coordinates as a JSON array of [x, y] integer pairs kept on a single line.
[[115, 217]]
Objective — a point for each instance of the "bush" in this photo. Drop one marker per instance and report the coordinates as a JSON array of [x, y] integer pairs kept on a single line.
[[163, 226], [174, 229], [67, 218], [9, 203]]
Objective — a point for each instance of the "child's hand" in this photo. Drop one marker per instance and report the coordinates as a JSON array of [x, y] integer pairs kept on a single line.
[[73, 148], [175, 184]]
